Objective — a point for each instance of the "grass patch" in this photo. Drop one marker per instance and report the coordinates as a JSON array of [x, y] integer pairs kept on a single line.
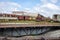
[[31, 22]]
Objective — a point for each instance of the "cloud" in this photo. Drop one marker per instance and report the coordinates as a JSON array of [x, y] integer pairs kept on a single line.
[[47, 9], [9, 6], [31, 10], [44, 1], [27, 9], [47, 1], [54, 1], [51, 6]]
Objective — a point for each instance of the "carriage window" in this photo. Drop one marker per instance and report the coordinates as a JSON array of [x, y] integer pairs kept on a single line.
[[55, 16]]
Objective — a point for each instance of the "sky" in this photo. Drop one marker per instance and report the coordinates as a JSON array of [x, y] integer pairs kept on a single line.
[[46, 8]]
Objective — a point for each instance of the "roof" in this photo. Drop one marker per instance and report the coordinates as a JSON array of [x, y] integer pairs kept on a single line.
[[57, 14], [24, 13]]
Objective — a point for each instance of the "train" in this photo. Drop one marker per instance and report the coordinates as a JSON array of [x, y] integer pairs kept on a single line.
[[9, 17], [56, 17], [23, 16]]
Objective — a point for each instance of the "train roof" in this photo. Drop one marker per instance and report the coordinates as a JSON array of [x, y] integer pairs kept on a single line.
[[21, 13], [57, 14]]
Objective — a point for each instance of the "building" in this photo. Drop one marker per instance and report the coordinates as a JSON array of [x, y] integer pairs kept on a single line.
[[56, 17]]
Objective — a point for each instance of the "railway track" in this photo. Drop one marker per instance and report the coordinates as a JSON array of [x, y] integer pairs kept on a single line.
[[15, 25]]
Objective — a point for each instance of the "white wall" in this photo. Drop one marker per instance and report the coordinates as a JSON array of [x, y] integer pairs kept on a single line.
[[58, 17], [8, 17]]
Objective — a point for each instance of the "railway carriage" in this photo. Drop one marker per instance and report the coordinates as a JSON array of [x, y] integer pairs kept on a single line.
[[56, 17]]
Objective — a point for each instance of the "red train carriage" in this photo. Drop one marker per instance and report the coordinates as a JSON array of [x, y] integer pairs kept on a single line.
[[20, 17], [23, 17], [27, 17], [39, 18]]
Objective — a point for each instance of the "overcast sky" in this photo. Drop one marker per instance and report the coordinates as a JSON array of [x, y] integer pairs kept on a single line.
[[44, 7]]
